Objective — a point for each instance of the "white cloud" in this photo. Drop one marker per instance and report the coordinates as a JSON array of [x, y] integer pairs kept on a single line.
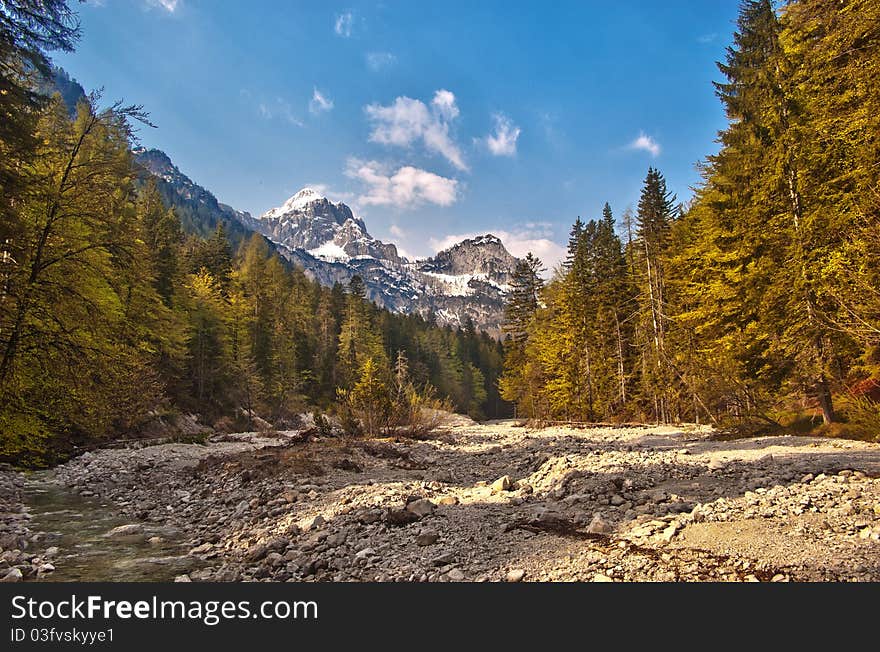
[[319, 103], [406, 121], [444, 103], [168, 5], [397, 232], [531, 237], [707, 38], [343, 23], [646, 143], [406, 186], [503, 141], [377, 61], [279, 109]]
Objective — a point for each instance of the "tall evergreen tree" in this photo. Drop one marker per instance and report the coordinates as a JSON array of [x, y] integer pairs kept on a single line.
[[654, 221]]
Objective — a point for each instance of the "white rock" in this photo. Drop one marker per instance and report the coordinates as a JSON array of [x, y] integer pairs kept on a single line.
[[516, 575], [502, 484], [366, 552]]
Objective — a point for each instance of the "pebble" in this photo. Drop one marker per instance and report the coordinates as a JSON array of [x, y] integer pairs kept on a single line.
[[126, 530], [427, 538], [247, 522]]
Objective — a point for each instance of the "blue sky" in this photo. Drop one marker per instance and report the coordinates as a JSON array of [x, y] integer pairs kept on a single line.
[[432, 120]]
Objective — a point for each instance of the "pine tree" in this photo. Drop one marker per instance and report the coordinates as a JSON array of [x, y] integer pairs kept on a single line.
[[359, 337], [519, 311], [162, 236], [654, 221], [573, 239]]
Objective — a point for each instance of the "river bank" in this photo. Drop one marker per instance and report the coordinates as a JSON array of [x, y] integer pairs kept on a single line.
[[476, 503]]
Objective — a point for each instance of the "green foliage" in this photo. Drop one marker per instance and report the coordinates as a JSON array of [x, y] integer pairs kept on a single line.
[[862, 417], [368, 402], [762, 298]]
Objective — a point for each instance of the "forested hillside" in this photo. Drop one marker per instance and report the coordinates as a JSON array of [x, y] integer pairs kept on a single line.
[[757, 304], [112, 315]]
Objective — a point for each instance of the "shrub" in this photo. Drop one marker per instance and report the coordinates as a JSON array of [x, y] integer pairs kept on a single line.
[[862, 416]]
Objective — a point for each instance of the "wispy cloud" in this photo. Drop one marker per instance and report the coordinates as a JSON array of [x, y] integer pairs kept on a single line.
[[406, 121], [279, 109], [396, 231], [520, 240], [377, 61], [707, 38], [405, 187], [319, 103], [502, 142], [343, 23], [646, 143], [168, 5]]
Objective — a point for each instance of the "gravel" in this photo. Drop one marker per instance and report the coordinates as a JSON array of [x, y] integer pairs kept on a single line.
[[492, 502]]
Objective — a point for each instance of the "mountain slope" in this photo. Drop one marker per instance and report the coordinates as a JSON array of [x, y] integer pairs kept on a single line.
[[197, 208]]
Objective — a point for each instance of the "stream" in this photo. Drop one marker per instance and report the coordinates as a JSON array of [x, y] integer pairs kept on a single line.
[[78, 526]]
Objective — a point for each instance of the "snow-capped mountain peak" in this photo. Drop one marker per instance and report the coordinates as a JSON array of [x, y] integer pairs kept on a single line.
[[306, 200], [469, 279], [302, 198]]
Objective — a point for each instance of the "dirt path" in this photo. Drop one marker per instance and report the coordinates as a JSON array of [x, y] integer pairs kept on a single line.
[[499, 502]]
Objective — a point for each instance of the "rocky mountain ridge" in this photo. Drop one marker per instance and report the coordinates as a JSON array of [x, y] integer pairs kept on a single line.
[[466, 282]]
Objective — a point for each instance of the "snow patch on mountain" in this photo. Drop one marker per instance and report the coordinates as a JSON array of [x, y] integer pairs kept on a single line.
[[330, 251]]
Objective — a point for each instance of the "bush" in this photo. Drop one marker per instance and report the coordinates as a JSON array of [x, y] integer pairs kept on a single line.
[[417, 413], [367, 406], [374, 407], [862, 416]]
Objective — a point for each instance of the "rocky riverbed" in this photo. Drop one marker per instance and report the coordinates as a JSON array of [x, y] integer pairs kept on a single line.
[[492, 502]]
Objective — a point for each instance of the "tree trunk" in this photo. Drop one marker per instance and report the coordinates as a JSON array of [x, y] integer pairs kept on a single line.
[[823, 393]]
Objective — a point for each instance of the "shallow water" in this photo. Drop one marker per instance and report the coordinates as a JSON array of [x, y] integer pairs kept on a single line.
[[78, 526]]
